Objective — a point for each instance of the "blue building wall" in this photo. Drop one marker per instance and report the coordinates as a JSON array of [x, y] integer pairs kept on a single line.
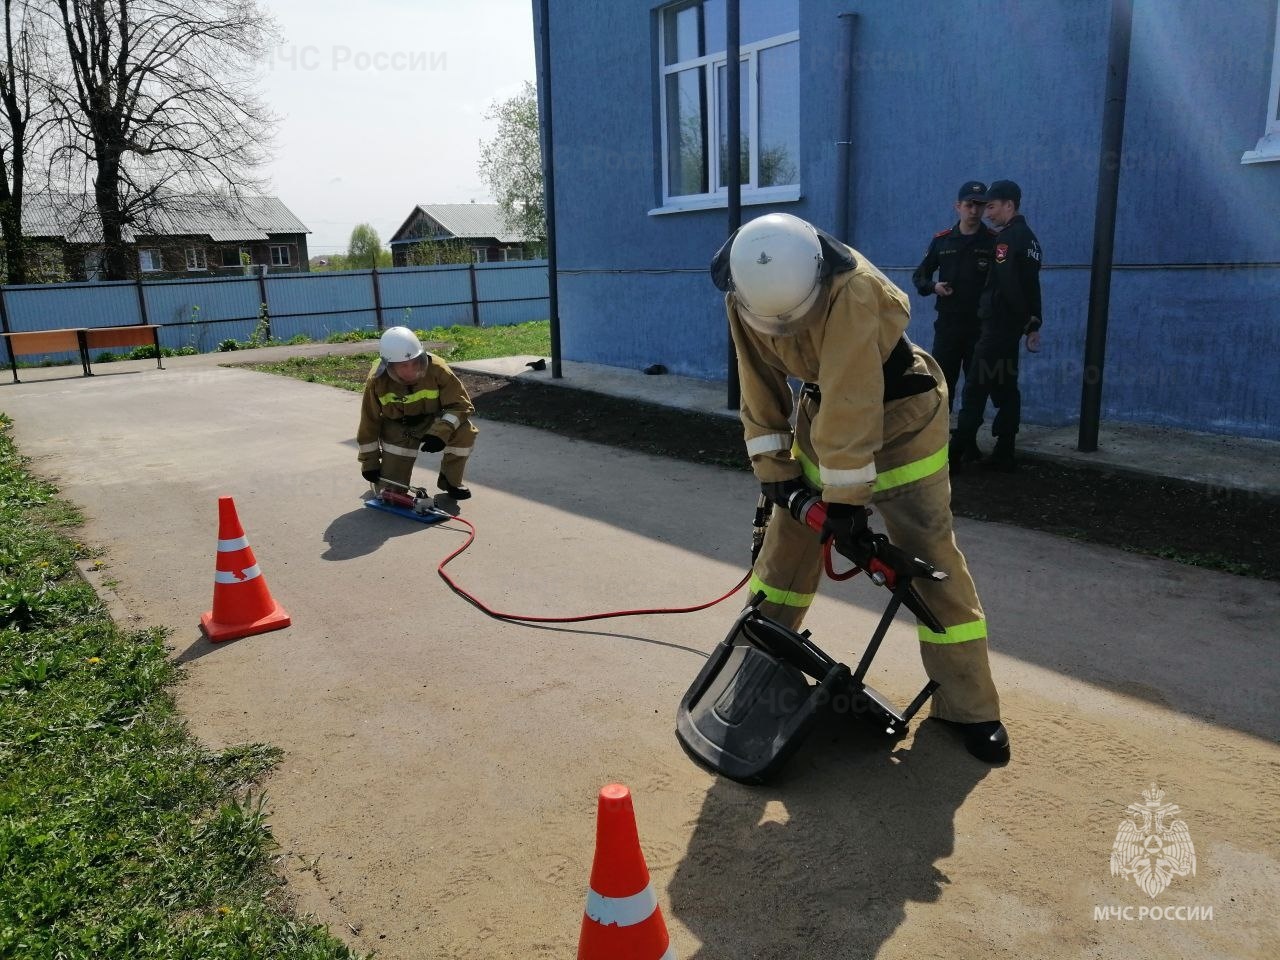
[[943, 92]]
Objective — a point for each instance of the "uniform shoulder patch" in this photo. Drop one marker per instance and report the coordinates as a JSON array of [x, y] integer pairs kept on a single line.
[[942, 233]]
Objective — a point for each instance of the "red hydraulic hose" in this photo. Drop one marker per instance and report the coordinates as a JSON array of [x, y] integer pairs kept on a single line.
[[521, 618]]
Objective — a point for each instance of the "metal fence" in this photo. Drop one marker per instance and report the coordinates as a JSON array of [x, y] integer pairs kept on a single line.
[[201, 313]]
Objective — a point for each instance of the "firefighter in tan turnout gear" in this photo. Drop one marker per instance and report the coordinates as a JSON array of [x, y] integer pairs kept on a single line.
[[871, 429], [412, 401]]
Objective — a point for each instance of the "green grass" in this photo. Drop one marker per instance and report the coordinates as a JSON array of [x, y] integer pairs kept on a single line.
[[461, 343], [120, 836], [477, 343]]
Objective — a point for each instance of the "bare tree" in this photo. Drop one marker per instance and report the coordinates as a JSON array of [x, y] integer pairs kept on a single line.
[[23, 75], [161, 110]]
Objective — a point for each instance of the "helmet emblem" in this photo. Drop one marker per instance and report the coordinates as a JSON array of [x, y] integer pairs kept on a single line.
[[764, 257]]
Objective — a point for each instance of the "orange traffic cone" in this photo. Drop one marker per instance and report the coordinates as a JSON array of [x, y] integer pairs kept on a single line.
[[622, 920], [242, 604]]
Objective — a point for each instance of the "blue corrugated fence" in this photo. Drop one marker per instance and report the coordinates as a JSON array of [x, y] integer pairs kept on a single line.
[[202, 312]]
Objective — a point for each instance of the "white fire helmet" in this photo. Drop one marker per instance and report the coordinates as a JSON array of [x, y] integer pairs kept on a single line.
[[397, 344], [776, 265]]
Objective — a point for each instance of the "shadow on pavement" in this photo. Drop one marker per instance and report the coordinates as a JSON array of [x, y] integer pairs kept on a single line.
[[830, 855], [1172, 635], [362, 531]]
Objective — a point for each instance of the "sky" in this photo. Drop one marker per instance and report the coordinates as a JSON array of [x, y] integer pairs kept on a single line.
[[382, 103]]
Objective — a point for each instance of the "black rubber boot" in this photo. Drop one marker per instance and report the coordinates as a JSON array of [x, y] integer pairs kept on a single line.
[[1002, 457], [988, 740], [458, 493]]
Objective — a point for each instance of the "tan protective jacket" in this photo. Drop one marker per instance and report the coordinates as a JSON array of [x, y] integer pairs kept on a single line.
[[843, 351], [435, 404]]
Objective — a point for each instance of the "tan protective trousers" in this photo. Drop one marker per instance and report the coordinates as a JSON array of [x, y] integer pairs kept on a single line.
[[912, 501], [400, 451]]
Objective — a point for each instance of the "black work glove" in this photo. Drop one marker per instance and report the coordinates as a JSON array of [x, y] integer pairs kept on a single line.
[[847, 525], [373, 475], [780, 491], [432, 444]]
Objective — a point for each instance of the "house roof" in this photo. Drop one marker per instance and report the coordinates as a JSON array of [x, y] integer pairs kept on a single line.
[[71, 217], [465, 221]]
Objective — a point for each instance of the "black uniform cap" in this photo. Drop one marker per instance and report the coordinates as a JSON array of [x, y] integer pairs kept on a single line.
[[973, 190], [1005, 190]]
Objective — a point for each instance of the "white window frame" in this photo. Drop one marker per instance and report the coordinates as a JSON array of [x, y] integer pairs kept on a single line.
[[197, 259], [280, 255], [1268, 148], [150, 260], [507, 253], [479, 254], [718, 196]]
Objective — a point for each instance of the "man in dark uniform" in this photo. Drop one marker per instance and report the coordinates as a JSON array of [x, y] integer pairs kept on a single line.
[[1010, 309], [961, 255]]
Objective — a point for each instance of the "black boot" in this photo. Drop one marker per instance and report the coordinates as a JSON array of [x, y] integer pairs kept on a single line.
[[962, 449], [461, 492], [1001, 458], [987, 740]]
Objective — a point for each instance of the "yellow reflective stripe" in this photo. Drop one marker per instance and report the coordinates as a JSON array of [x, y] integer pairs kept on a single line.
[[911, 472], [960, 633], [420, 395], [897, 477], [785, 598], [811, 471]]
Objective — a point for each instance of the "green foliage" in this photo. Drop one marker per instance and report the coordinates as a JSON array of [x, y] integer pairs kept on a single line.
[[353, 336], [428, 253], [261, 330], [120, 837], [511, 164], [364, 249]]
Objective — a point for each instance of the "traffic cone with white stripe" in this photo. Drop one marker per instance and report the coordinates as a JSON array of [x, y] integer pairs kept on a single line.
[[242, 604], [622, 920]]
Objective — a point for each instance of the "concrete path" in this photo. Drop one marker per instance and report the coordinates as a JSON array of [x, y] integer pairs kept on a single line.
[[438, 790]]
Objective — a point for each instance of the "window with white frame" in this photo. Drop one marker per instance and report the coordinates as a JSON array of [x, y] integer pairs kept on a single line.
[[479, 254], [196, 259], [1268, 147], [149, 261], [694, 102], [513, 253], [280, 256]]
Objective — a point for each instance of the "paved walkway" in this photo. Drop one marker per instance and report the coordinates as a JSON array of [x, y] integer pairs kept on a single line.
[[1220, 462], [437, 792]]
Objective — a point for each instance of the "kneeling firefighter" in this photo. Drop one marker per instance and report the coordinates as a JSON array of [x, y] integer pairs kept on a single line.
[[412, 401], [872, 428]]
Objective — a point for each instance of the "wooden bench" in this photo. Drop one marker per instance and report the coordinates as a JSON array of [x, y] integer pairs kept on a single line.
[[82, 340]]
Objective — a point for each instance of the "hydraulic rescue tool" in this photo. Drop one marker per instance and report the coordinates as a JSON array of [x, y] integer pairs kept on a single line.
[[752, 704], [414, 503]]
